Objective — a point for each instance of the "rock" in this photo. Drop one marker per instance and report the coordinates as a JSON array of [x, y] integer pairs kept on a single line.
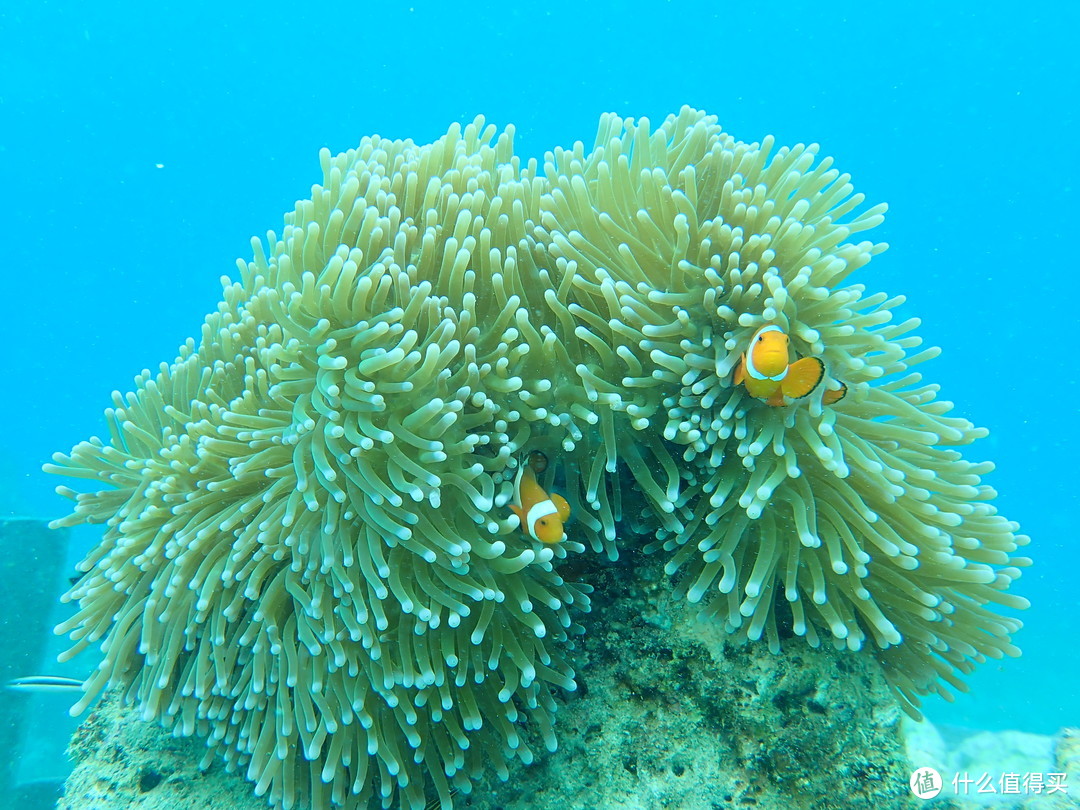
[[122, 762], [671, 713]]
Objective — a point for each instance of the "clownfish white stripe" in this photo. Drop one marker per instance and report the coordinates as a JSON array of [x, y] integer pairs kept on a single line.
[[757, 375], [515, 499], [541, 509], [751, 369]]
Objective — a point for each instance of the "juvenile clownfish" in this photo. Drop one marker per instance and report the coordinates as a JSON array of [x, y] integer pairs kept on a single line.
[[765, 372], [541, 515]]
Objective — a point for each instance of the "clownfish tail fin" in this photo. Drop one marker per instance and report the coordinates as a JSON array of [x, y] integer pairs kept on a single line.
[[803, 377], [833, 396]]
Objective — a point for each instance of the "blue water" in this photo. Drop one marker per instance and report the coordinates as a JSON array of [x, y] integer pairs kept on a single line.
[[141, 148]]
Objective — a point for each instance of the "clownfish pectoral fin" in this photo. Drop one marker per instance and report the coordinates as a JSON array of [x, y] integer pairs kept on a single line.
[[834, 395], [562, 506], [740, 371], [803, 377], [776, 399]]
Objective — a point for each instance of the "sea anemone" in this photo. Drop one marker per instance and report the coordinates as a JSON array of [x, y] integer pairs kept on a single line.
[[303, 561], [308, 558], [856, 520]]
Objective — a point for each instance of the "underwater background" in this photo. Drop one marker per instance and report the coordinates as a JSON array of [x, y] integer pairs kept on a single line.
[[142, 147]]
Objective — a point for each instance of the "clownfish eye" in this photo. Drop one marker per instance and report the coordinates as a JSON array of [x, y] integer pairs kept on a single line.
[[543, 521]]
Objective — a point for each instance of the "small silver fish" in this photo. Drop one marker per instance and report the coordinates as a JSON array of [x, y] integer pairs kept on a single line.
[[45, 683]]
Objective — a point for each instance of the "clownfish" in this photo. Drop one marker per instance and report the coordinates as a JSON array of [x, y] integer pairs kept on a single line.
[[541, 515], [765, 372]]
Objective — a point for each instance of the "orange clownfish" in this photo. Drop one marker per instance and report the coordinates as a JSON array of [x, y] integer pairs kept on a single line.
[[541, 515], [766, 373]]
